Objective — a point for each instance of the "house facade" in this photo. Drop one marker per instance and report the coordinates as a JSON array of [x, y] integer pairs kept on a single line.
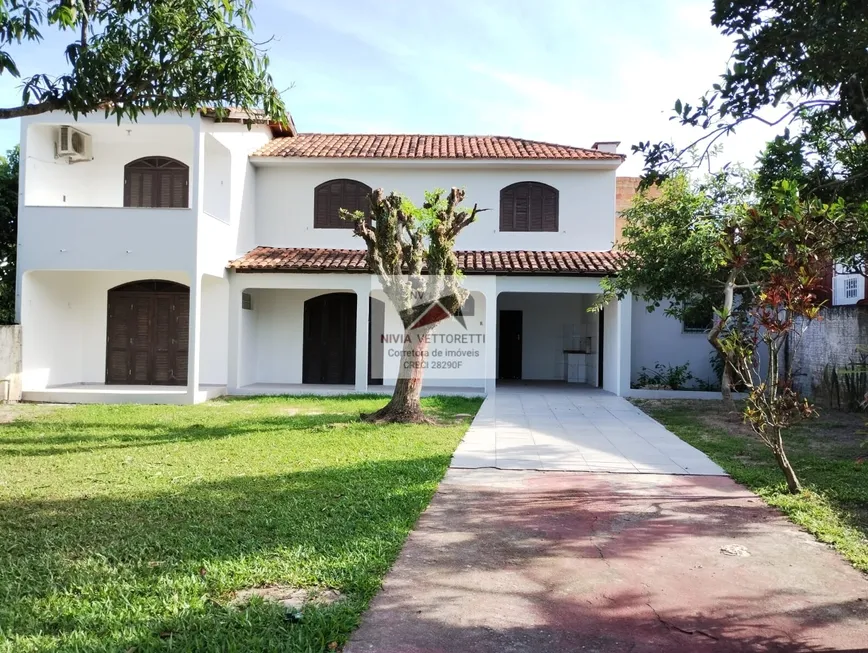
[[177, 258]]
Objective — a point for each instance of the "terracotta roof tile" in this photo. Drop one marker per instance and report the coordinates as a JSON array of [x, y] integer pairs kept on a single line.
[[289, 259], [419, 146]]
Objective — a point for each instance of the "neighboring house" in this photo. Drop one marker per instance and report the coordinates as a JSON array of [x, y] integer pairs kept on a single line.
[[177, 258], [657, 338], [844, 287]]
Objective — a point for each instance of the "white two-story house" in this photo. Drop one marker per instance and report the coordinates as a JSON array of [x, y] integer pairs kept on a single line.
[[176, 258]]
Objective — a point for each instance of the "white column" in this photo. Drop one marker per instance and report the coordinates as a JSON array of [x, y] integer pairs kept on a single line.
[[362, 313], [491, 338], [617, 325], [236, 334], [625, 326], [194, 351], [611, 344]]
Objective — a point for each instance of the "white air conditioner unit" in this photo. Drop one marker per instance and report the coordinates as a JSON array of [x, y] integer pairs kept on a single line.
[[72, 144]]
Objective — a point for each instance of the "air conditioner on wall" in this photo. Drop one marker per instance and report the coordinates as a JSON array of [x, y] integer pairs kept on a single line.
[[72, 144]]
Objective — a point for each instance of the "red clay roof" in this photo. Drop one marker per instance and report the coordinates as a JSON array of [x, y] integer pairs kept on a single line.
[[288, 259], [421, 146]]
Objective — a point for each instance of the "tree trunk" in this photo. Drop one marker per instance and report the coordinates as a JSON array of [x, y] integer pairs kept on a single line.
[[793, 484], [726, 387], [714, 339], [404, 406]]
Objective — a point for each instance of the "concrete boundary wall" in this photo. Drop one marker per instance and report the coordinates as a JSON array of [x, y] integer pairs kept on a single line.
[[10, 363], [833, 339]]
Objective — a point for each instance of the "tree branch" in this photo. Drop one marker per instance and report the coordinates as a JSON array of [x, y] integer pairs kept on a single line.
[[32, 109]]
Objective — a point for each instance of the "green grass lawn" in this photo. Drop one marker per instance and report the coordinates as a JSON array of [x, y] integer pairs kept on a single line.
[[129, 528], [825, 453]]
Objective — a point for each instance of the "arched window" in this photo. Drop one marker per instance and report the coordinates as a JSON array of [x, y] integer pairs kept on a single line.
[[529, 206], [332, 196], [156, 182]]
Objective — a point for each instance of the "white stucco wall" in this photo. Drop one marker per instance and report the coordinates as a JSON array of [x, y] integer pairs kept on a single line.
[[63, 321], [227, 223], [657, 337], [218, 179], [247, 341], [100, 182], [285, 194], [279, 334], [214, 331], [67, 238], [72, 216], [57, 232]]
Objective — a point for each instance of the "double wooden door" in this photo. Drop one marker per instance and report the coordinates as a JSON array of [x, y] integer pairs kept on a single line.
[[148, 334], [329, 354]]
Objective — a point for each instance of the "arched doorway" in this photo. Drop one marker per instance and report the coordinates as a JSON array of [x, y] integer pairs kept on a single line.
[[147, 333], [329, 350]]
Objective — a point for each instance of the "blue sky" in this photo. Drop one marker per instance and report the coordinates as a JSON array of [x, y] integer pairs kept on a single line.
[[566, 71]]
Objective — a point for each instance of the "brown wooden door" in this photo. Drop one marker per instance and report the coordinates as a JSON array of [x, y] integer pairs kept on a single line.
[[329, 354], [117, 364], [510, 344], [147, 337], [141, 307]]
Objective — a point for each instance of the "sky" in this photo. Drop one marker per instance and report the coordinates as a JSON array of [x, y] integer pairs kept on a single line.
[[564, 71]]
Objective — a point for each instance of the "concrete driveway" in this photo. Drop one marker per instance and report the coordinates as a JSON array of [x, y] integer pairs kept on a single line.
[[560, 562], [573, 428], [516, 560]]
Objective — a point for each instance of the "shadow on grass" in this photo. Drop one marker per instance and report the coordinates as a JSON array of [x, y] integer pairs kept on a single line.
[[155, 572], [37, 436], [87, 436]]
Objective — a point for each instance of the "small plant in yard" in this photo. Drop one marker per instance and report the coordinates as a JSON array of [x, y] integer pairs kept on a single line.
[[797, 251], [846, 386], [673, 377], [707, 386]]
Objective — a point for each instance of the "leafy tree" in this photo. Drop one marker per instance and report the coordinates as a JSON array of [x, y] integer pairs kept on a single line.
[[794, 237], [129, 56], [803, 63], [675, 248], [826, 163], [8, 233], [411, 250]]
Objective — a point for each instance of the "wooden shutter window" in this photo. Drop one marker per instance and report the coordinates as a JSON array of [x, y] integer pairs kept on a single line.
[[529, 206], [332, 196], [156, 182]]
